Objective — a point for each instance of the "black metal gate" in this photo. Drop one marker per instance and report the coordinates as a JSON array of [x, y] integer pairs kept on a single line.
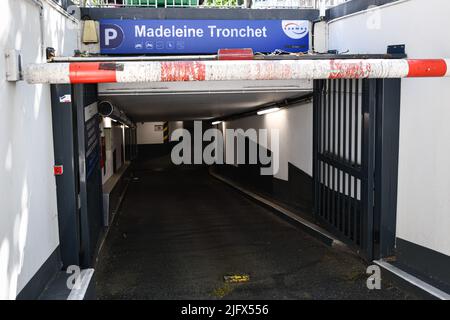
[[344, 150], [356, 147]]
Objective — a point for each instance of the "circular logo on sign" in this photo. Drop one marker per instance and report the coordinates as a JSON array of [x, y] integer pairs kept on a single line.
[[112, 36], [295, 29]]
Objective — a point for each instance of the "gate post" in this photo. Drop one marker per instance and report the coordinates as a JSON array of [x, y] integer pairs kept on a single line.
[[64, 144], [369, 104], [90, 180], [317, 101], [386, 168]]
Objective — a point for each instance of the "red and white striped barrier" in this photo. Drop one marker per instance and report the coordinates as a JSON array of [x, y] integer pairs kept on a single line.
[[169, 71]]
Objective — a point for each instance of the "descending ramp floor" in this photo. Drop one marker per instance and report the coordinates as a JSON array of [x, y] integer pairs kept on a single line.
[[180, 231]]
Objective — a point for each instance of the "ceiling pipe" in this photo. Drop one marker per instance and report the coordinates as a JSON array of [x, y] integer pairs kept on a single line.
[[108, 109]]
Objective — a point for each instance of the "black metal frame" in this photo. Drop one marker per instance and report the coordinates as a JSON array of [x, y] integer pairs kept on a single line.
[[67, 187], [79, 188], [386, 166], [90, 187], [355, 161], [79, 198]]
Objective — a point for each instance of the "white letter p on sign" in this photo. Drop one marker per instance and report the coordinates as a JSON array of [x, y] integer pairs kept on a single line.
[[110, 34]]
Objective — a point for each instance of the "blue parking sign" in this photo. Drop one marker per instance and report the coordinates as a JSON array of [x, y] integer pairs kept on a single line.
[[202, 36]]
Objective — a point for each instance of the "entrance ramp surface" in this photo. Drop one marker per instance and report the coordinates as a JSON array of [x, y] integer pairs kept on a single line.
[[180, 232]]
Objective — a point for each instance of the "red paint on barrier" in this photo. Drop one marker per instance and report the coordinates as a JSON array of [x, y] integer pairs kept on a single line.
[[427, 68], [235, 54], [183, 71], [349, 70], [91, 72]]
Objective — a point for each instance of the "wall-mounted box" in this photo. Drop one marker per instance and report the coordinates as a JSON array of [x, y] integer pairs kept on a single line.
[[13, 65]]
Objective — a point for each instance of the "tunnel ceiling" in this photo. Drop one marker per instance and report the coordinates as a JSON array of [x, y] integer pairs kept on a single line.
[[198, 100]]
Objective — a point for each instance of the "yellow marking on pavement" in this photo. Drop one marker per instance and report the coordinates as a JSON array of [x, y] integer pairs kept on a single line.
[[222, 291], [236, 278]]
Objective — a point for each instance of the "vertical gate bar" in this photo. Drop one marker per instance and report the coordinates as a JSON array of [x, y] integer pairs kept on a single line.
[[349, 155], [319, 190], [316, 142], [356, 141], [328, 110], [378, 154], [345, 120], [353, 211], [359, 211], [319, 149], [337, 151], [350, 122], [339, 112], [324, 190], [329, 117], [337, 155], [386, 174], [333, 194], [367, 161], [323, 131], [329, 150], [345, 205], [330, 167], [357, 120], [333, 177], [344, 152], [320, 128], [335, 117], [322, 150]]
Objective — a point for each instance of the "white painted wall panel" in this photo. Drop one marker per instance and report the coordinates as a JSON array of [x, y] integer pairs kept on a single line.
[[28, 209], [114, 138], [146, 133], [295, 125]]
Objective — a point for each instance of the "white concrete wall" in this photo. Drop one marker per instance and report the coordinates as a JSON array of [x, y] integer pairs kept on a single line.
[[146, 133], [423, 214], [295, 125], [174, 125], [28, 210], [114, 140]]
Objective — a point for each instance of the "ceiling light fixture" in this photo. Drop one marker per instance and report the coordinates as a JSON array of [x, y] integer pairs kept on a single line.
[[266, 111]]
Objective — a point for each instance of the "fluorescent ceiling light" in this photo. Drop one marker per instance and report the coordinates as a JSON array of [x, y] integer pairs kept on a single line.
[[216, 122], [266, 111]]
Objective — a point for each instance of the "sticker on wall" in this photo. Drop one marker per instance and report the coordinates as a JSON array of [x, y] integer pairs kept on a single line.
[[65, 99]]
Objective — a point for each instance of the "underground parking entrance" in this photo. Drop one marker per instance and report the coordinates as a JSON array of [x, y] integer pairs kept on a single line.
[[180, 233], [155, 228]]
